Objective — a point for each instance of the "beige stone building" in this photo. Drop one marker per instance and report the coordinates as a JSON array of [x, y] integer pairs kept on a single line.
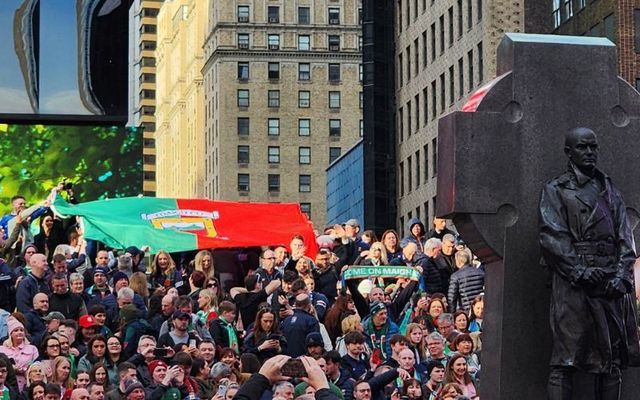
[[282, 99], [143, 24], [180, 140], [445, 50]]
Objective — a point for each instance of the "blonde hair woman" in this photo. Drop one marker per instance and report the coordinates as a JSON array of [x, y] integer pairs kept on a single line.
[[204, 262], [36, 373], [164, 273], [138, 282], [61, 374], [18, 348], [208, 305]]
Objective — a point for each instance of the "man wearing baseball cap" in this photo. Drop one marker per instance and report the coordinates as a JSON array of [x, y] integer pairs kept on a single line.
[[179, 332], [100, 289]]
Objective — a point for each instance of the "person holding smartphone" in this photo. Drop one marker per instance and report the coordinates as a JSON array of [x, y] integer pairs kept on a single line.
[[168, 381]]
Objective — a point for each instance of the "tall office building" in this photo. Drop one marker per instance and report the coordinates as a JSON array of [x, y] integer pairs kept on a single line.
[[180, 98], [619, 21], [142, 83], [283, 98], [445, 50]]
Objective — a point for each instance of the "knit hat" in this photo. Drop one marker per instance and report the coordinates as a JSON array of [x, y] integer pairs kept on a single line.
[[128, 313], [314, 339], [131, 385], [101, 270], [13, 324], [118, 276], [54, 315], [155, 364], [376, 307]]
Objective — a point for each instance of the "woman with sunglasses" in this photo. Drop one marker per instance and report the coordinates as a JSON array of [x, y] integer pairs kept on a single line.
[[264, 340]]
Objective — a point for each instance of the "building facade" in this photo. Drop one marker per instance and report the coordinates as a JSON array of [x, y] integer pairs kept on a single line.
[[619, 21], [142, 83], [180, 139], [345, 187], [283, 98], [445, 50]]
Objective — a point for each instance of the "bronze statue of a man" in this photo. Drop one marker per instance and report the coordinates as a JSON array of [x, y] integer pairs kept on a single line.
[[587, 243]]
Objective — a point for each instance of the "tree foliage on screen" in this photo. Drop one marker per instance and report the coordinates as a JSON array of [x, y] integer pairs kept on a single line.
[[101, 162]]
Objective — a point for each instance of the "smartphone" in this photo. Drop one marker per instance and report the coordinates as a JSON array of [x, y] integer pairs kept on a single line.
[[222, 390], [294, 368], [160, 353], [192, 343], [274, 336]]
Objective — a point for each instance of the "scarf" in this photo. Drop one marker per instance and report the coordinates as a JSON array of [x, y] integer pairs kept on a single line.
[[231, 333], [377, 339]]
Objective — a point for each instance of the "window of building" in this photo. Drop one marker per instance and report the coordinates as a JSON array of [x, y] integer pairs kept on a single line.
[[243, 13], [304, 99], [480, 64], [409, 118], [304, 71], [636, 33], [334, 42], [334, 72], [400, 125], [425, 50], [408, 51], [274, 14], [304, 16], [442, 93], [273, 182], [360, 72], [334, 153], [304, 183], [273, 98], [243, 40], [450, 26], [434, 110], [610, 27], [243, 71], [425, 151], [304, 127], [306, 208], [479, 8], [243, 98], [434, 157], [409, 174], [416, 101], [243, 126], [568, 9], [274, 41], [361, 100], [460, 77], [452, 93], [243, 154], [304, 42], [469, 14], [425, 105], [334, 16], [555, 13], [243, 182], [273, 154], [401, 178], [400, 70], [273, 126], [470, 67], [304, 155], [460, 22], [442, 38], [433, 41], [274, 70], [334, 99], [416, 56], [334, 127]]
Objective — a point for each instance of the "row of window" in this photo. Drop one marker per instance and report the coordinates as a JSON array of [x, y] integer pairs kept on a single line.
[[562, 10], [415, 117], [304, 127], [415, 169], [304, 71], [273, 154], [304, 15], [405, 18], [304, 41], [273, 185], [416, 56], [304, 99], [417, 214]]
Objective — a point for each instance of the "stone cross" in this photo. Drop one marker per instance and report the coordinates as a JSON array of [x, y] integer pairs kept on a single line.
[[493, 159]]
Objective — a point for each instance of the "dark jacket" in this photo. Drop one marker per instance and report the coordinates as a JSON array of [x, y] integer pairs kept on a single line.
[[142, 368], [584, 224], [251, 343], [345, 384], [220, 334], [465, 284], [28, 287], [446, 266], [255, 386], [296, 328], [35, 325], [326, 283], [410, 238], [111, 304], [69, 304], [7, 287], [378, 383]]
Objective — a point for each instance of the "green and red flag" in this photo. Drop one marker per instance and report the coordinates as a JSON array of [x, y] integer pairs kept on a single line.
[[177, 225]]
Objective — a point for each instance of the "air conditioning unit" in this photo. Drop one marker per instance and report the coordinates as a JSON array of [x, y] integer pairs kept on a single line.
[[274, 19], [273, 47], [334, 47], [243, 45], [243, 19], [334, 21]]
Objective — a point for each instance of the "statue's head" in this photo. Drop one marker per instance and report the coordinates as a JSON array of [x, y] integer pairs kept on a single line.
[[581, 146]]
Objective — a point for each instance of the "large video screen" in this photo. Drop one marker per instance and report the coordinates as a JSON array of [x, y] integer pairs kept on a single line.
[[100, 162], [63, 58]]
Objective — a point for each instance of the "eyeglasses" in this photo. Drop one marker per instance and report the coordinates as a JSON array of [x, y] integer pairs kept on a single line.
[[212, 284]]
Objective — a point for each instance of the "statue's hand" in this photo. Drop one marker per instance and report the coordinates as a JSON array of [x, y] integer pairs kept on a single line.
[[593, 275], [615, 288]]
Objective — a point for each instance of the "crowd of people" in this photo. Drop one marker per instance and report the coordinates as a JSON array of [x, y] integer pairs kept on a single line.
[[82, 321]]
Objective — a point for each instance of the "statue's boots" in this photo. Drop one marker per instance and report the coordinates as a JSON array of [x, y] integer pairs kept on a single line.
[[560, 386]]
